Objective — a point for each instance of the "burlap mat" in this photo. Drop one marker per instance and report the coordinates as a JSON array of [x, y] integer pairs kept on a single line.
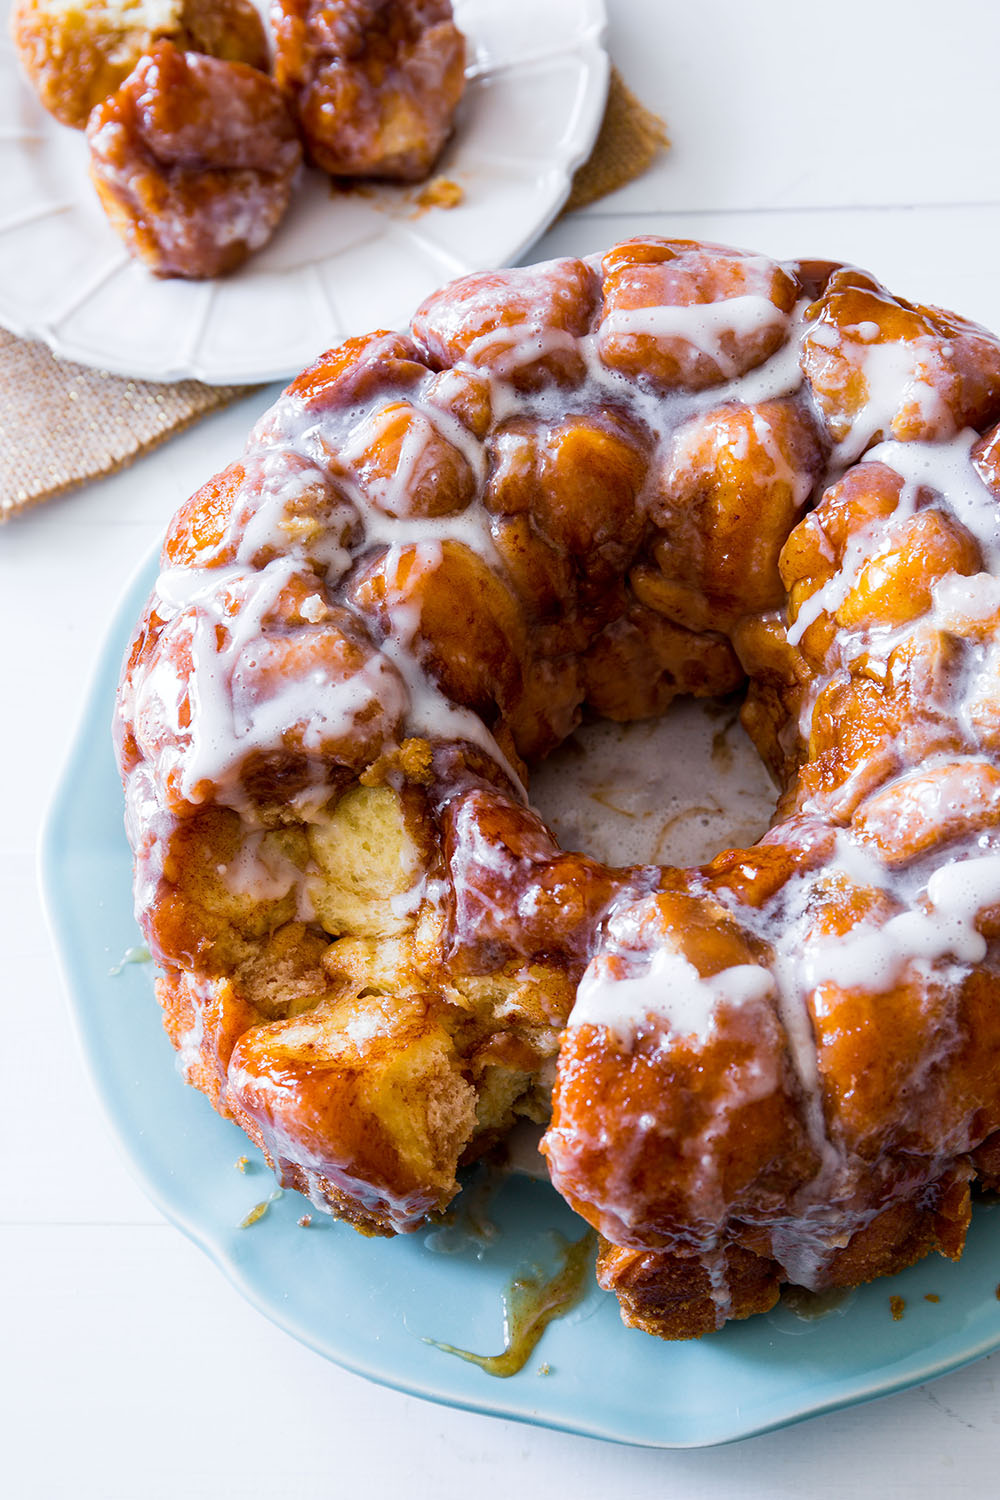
[[62, 424]]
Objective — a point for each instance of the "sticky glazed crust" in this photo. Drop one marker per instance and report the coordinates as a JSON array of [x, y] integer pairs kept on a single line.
[[78, 52], [194, 160], [589, 486], [374, 84]]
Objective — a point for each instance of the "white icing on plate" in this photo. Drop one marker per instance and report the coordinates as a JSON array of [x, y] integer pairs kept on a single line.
[[632, 794]]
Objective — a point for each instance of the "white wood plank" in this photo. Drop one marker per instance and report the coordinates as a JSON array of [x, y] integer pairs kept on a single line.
[[793, 105]]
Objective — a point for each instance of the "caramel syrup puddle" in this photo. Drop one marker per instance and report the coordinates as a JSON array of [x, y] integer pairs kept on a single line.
[[530, 1304]]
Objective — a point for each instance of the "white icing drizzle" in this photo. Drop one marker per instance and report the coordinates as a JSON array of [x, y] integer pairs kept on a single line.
[[877, 958], [189, 1042], [707, 326], [934, 941], [228, 721], [961, 599], [894, 375], [862, 549], [669, 988], [263, 873], [508, 351], [431, 713], [947, 468]]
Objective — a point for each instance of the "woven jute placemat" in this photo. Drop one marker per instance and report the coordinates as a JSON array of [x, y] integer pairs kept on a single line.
[[62, 424]]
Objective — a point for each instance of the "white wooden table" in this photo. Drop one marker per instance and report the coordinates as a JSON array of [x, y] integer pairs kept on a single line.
[[128, 1366]]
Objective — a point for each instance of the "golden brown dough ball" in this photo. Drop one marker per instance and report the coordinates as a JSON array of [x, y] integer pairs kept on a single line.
[[374, 83], [672, 1295], [881, 367], [78, 53], [405, 466], [304, 643], [210, 527], [639, 664], [356, 371], [523, 325], [728, 492], [655, 325], [671, 1077], [914, 550], [463, 623], [193, 160], [579, 480]]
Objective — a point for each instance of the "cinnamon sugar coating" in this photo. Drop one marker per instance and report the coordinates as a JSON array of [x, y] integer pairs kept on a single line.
[[193, 160], [77, 54], [591, 486], [374, 84]]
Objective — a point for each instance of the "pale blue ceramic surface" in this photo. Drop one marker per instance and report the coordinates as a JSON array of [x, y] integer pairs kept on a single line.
[[369, 1304]]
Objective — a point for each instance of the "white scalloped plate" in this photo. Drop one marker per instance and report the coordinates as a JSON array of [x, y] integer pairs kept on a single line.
[[339, 264]]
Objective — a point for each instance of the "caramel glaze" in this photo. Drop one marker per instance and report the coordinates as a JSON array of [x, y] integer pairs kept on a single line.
[[193, 159], [530, 1305], [596, 485], [373, 86], [512, 892]]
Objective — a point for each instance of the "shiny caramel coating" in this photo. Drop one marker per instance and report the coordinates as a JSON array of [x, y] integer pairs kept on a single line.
[[406, 467], [986, 457], [543, 578], [325, 641], [210, 524], [639, 664], [579, 480], [356, 372], [942, 370], [467, 626], [368, 1086], [671, 1295], [524, 325], [870, 723], [684, 1165], [374, 84], [652, 274], [932, 806], [911, 552], [193, 160], [77, 55], [501, 857], [588, 487], [733, 484], [465, 395]]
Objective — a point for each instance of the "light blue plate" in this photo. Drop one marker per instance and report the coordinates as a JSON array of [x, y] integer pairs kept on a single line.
[[370, 1304]]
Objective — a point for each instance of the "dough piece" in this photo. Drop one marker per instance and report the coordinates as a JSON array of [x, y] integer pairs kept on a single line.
[[194, 160], [374, 83], [77, 52]]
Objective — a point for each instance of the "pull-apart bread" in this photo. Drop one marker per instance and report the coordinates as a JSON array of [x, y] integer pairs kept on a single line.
[[589, 486]]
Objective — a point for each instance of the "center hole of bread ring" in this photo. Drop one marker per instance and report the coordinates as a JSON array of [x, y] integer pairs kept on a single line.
[[669, 791]]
